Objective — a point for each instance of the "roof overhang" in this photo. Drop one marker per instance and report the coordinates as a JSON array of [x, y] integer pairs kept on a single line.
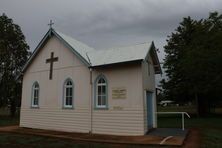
[[151, 51], [155, 59], [119, 63]]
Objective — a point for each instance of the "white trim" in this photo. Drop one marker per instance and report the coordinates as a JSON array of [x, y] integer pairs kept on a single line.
[[165, 139], [35, 87], [102, 105], [65, 87]]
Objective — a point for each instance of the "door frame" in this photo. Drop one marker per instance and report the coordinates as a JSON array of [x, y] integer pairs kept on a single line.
[[152, 109]]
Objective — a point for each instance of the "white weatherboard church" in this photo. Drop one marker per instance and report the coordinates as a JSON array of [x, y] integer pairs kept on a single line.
[[68, 86]]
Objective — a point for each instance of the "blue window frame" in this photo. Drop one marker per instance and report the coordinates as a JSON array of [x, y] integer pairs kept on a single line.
[[68, 93], [35, 95], [101, 92]]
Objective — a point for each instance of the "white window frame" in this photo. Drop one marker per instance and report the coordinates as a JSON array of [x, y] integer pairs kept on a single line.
[[34, 88], [65, 87], [102, 95]]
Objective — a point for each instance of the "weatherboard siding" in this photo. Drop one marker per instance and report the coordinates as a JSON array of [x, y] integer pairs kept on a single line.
[[123, 116], [128, 122], [56, 119], [125, 122], [51, 114]]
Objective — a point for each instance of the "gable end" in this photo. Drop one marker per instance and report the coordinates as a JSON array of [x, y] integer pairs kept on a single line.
[[44, 40]]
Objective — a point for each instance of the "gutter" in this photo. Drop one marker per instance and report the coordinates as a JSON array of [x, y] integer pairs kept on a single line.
[[91, 102]]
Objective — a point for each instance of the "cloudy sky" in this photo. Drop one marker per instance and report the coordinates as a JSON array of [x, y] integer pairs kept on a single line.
[[106, 23]]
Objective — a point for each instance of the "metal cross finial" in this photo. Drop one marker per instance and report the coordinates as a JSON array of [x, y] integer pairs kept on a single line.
[[50, 24]]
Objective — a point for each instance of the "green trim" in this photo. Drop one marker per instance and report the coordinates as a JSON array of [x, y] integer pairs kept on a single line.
[[63, 94], [95, 93], [32, 95]]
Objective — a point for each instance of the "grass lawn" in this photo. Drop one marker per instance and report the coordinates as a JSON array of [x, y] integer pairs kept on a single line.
[[9, 140], [6, 120], [28, 141], [210, 127]]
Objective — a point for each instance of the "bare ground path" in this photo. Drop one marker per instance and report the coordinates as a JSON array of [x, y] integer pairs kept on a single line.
[[193, 139]]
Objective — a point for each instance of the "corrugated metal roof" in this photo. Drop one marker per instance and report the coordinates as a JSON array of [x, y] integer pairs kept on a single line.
[[119, 54], [92, 57], [108, 56], [78, 46]]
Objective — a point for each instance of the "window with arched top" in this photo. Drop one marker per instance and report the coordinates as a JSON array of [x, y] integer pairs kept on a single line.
[[68, 94], [101, 91], [35, 94]]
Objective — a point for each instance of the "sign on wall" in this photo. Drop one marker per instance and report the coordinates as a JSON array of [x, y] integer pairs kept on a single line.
[[119, 93]]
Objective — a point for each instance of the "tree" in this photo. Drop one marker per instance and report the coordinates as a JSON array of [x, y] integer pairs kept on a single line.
[[193, 61], [14, 52]]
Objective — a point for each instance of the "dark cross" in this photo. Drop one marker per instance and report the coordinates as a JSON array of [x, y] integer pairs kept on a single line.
[[51, 60], [50, 24]]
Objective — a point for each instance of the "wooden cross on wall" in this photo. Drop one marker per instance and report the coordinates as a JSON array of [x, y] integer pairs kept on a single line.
[[51, 60]]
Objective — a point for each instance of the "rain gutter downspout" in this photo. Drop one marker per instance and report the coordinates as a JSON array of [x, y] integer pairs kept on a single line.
[[91, 101], [90, 98]]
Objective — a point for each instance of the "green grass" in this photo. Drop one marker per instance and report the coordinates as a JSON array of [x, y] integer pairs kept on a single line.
[[7, 120], [213, 121], [10, 140], [211, 138], [210, 128], [30, 141], [189, 109]]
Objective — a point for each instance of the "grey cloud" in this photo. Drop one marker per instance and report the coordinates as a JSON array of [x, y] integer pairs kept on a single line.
[[106, 23]]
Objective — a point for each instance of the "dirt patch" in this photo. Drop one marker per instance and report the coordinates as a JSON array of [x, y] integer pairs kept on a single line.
[[174, 141], [9, 128], [193, 139]]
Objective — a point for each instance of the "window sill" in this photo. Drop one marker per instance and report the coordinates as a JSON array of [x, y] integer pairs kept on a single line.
[[101, 108], [66, 107], [34, 107]]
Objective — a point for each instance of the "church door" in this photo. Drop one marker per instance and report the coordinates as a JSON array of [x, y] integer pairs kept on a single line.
[[149, 105]]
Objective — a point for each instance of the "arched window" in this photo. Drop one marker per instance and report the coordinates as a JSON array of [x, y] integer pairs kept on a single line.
[[101, 98], [35, 94], [68, 94]]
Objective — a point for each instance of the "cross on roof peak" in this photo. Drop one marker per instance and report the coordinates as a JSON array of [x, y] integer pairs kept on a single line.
[[50, 24]]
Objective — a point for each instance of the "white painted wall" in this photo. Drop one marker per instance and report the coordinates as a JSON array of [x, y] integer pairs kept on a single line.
[[129, 120]]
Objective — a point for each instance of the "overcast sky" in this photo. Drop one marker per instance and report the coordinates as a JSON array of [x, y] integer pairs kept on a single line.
[[106, 23]]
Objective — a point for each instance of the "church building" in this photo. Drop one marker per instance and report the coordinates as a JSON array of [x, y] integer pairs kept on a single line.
[[69, 86]]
